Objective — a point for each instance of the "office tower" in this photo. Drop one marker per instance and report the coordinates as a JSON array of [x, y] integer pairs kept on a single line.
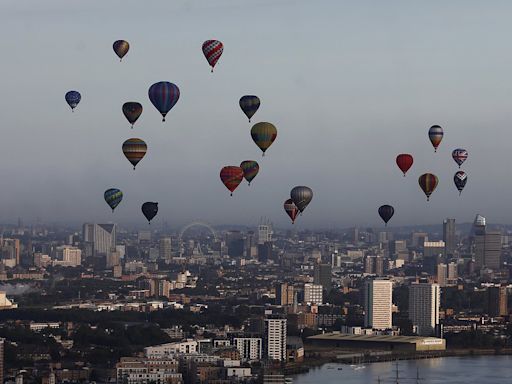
[[496, 301], [275, 337], [265, 252], [264, 233], [433, 248], [250, 348], [378, 301], [374, 265], [313, 293], [164, 250], [10, 252], [284, 294], [442, 270], [101, 236], [487, 245], [450, 242], [424, 303], [355, 235], [452, 274], [323, 276], [235, 243], [2, 341]]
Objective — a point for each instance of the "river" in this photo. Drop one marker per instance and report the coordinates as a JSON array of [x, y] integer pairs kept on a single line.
[[446, 370]]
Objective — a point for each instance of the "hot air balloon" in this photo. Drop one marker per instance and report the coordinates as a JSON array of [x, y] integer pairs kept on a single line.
[[149, 210], [291, 209], [231, 176], [386, 212], [301, 197], [132, 110], [121, 48], [134, 150], [212, 50], [249, 105], [250, 168], [113, 197], [428, 183], [459, 155], [404, 162], [435, 134], [164, 96], [263, 135], [460, 179], [73, 98]]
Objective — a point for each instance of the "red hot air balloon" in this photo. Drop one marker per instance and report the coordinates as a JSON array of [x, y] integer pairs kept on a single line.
[[212, 50], [291, 209], [404, 162], [231, 176]]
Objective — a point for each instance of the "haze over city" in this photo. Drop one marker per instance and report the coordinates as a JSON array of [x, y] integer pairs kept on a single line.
[[348, 86]]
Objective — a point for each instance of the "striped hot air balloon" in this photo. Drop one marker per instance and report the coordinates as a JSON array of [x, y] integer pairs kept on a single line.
[[249, 104], [231, 177], [212, 50], [134, 149], [428, 183], [263, 135], [250, 168], [435, 134], [113, 197], [164, 96]]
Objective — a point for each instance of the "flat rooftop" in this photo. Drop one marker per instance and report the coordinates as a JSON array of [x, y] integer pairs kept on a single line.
[[377, 338]]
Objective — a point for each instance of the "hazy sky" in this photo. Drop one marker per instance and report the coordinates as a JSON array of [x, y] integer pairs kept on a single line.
[[349, 85]]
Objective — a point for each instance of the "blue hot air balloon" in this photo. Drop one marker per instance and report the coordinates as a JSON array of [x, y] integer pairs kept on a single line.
[[164, 96], [73, 98], [113, 197], [249, 105]]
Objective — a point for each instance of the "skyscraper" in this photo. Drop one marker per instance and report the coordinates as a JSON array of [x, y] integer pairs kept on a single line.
[[450, 242], [377, 304], [101, 236], [264, 233], [164, 250], [275, 337], [284, 294], [424, 302], [487, 245], [323, 276]]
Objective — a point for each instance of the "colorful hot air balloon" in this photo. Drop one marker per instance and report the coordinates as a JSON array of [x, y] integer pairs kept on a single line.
[[386, 212], [250, 168], [164, 96], [460, 179], [428, 183], [263, 135], [73, 98], [301, 197], [459, 155], [249, 105], [132, 110], [121, 48], [404, 162], [435, 134], [231, 176], [149, 210], [134, 150], [212, 50], [291, 209], [113, 197]]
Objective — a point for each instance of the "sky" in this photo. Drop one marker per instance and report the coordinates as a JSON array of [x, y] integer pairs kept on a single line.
[[349, 85]]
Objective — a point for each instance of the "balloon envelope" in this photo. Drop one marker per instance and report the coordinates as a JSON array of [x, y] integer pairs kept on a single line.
[[459, 155], [435, 134], [404, 162], [113, 197], [249, 105], [231, 176], [149, 209], [121, 48], [134, 149], [164, 95], [460, 179], [428, 183], [301, 197], [263, 135], [250, 168], [212, 50], [386, 212], [291, 209], [73, 98], [132, 111]]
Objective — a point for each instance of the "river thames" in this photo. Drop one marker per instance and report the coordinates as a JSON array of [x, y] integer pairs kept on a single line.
[[446, 370]]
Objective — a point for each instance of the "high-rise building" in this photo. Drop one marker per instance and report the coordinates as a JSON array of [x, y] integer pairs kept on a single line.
[[313, 293], [250, 348], [264, 233], [433, 248], [10, 252], [275, 337], [496, 303], [101, 236], [442, 273], [284, 294], [164, 250], [374, 265], [378, 302], [450, 242], [113, 258], [323, 276], [69, 256], [424, 303], [487, 246]]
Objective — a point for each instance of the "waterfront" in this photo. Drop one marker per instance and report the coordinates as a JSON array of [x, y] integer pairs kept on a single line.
[[446, 370]]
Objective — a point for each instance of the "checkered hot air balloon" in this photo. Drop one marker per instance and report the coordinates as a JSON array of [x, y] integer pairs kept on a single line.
[[212, 50]]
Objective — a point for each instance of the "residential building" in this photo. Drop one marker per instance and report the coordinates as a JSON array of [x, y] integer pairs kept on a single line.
[[250, 348], [378, 303], [275, 337], [142, 370], [313, 293], [323, 276], [424, 304]]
